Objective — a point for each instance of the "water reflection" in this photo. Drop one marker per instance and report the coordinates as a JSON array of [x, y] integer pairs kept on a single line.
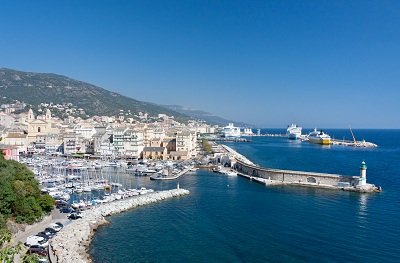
[[362, 210]]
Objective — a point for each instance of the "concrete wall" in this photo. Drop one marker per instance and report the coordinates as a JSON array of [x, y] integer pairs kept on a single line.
[[289, 176]]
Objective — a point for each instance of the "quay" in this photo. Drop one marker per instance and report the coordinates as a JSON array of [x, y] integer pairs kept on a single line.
[[228, 139], [269, 177]]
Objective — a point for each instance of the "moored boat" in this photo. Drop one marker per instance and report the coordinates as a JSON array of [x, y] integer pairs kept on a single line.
[[319, 137], [293, 132]]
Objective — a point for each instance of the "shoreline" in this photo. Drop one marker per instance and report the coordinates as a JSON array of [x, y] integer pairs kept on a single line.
[[71, 244]]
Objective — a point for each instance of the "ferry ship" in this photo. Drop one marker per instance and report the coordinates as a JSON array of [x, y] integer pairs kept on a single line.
[[231, 131], [319, 137], [293, 132], [247, 132]]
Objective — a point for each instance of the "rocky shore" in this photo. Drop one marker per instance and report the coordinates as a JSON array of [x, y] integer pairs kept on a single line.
[[71, 243]]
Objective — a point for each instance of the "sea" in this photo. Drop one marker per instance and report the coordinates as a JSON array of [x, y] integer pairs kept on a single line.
[[231, 219]]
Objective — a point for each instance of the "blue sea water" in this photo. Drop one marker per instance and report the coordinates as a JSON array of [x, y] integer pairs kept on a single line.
[[231, 219]]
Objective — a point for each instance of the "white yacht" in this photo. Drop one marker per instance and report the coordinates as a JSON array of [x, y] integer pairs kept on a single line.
[[319, 137], [231, 131], [293, 132]]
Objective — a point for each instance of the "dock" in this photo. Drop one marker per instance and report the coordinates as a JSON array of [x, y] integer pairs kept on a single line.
[[270, 177], [166, 177]]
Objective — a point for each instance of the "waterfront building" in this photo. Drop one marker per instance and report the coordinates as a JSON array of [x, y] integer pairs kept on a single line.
[[18, 140], [133, 143], [155, 153]]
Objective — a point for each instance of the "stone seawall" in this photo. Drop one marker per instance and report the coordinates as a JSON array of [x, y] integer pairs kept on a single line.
[[71, 243], [288, 176], [269, 176]]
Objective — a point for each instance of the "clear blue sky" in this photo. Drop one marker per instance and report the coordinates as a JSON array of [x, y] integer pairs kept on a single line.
[[316, 63]]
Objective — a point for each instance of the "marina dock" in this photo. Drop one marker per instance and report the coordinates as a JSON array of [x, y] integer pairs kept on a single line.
[[166, 177]]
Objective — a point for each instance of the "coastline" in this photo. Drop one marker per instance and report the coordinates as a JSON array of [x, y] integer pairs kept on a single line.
[[72, 242]]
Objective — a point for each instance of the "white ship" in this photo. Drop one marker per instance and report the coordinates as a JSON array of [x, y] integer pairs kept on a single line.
[[247, 132], [231, 131], [319, 137], [293, 132]]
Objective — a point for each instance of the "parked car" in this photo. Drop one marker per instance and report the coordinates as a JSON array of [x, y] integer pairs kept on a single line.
[[51, 230], [44, 235], [55, 226], [59, 224], [67, 210], [36, 240], [37, 250], [74, 216]]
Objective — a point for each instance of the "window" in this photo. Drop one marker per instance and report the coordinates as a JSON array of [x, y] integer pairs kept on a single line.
[[38, 129]]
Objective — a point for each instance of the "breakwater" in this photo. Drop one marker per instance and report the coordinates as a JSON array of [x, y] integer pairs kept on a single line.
[[71, 243], [270, 176]]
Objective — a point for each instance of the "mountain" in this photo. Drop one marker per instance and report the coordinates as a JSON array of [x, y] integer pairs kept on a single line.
[[206, 116], [36, 88]]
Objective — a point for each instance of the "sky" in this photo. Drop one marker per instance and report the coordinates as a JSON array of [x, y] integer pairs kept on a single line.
[[324, 64]]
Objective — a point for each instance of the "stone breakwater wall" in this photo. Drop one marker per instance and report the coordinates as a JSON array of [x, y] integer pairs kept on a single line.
[[71, 243]]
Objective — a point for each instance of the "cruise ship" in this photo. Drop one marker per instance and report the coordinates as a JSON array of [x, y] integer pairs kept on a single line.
[[293, 132], [231, 131], [319, 137]]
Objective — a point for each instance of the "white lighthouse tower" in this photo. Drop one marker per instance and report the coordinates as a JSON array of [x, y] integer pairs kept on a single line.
[[363, 174]]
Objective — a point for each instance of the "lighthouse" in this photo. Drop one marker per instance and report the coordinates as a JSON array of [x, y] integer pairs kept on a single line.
[[363, 174]]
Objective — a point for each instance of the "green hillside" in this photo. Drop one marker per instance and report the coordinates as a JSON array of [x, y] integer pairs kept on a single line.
[[35, 88]]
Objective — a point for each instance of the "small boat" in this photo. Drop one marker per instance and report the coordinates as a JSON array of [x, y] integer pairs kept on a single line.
[[87, 189]]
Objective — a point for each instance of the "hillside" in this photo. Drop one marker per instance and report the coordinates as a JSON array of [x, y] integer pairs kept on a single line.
[[206, 116], [35, 88]]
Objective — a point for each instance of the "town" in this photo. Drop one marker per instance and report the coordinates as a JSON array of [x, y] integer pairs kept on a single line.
[[126, 136]]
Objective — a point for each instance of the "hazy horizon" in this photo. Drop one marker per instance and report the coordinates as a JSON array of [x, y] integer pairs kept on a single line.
[[318, 64]]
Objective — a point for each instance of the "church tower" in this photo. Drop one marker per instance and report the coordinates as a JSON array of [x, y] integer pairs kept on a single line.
[[31, 117], [48, 115]]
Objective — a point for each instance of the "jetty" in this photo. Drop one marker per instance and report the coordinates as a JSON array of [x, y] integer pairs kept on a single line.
[[269, 177], [71, 243]]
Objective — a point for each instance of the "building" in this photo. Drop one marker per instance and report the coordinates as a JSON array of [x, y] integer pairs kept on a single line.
[[17, 140], [155, 153], [6, 120], [10, 152], [40, 126]]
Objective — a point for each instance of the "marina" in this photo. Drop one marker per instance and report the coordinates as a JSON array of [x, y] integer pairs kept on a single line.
[[84, 183]]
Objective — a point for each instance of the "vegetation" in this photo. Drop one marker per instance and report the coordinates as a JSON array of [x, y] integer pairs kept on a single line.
[[20, 200], [20, 196], [35, 88], [206, 146], [8, 252]]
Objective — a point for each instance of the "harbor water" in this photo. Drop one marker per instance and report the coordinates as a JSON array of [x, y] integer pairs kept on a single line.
[[231, 219]]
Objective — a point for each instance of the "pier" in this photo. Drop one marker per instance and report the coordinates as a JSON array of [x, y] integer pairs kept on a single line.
[[269, 176]]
